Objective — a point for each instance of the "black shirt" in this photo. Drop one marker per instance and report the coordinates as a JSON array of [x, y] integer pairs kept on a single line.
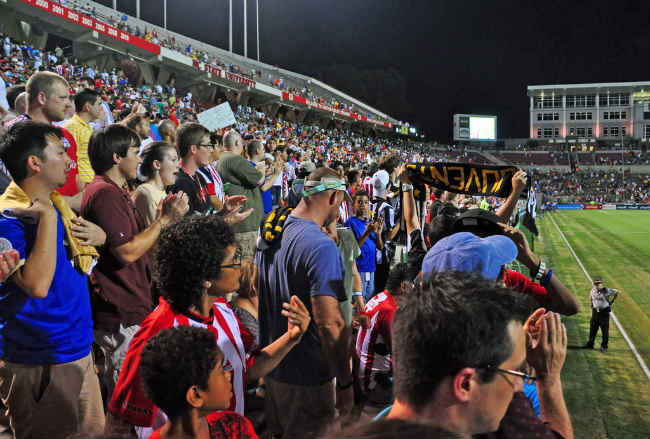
[[196, 192]]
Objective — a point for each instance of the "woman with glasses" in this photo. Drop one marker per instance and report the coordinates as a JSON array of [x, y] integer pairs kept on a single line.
[[196, 264]]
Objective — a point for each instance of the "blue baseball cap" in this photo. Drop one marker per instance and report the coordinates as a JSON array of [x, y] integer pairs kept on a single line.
[[465, 251]]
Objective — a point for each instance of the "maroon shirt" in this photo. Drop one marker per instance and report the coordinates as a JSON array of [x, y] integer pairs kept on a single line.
[[123, 293]]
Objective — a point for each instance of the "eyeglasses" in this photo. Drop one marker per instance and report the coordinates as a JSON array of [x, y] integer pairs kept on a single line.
[[209, 146], [528, 379], [236, 260]]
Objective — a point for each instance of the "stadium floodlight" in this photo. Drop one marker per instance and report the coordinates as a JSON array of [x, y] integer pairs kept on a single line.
[[165, 14], [230, 26], [257, 32], [245, 31]]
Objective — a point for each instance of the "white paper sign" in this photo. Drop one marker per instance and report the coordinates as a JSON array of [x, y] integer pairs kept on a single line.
[[217, 117]]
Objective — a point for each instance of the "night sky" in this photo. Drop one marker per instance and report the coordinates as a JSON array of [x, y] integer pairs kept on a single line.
[[423, 61]]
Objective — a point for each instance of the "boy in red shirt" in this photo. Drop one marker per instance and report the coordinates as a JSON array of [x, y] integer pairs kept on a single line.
[[183, 373]]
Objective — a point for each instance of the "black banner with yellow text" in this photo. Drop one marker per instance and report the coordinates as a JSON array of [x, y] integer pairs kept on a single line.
[[463, 178]]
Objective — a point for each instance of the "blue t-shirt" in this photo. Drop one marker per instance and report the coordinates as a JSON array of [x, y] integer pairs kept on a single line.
[[55, 329], [305, 263], [267, 198], [366, 263]]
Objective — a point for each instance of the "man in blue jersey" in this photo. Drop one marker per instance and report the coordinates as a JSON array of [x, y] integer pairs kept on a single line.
[[48, 383]]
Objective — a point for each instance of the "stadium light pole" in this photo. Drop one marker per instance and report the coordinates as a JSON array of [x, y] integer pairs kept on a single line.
[[245, 32], [230, 25], [137, 9], [257, 19], [115, 5], [165, 14]]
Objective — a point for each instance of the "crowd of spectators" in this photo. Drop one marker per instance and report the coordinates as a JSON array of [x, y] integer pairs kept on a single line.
[[168, 281], [585, 186], [294, 85]]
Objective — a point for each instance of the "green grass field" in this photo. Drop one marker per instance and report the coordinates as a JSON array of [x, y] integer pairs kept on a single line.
[[608, 395]]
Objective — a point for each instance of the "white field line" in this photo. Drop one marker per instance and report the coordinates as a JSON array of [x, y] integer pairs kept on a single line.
[[618, 324]]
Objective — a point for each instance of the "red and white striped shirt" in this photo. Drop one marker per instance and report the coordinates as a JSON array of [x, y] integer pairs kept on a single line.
[[368, 185], [344, 212], [377, 338], [129, 402]]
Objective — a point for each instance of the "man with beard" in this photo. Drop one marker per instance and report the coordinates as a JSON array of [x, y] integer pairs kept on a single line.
[[298, 258]]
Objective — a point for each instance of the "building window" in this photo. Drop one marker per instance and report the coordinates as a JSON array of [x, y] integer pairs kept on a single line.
[[556, 132], [646, 115], [556, 116], [572, 116], [570, 101], [623, 115], [613, 131], [548, 132], [580, 101], [606, 115], [605, 132], [602, 100], [539, 116], [625, 99], [623, 131], [646, 132], [590, 132], [580, 132], [539, 133], [589, 115], [591, 100], [572, 131]]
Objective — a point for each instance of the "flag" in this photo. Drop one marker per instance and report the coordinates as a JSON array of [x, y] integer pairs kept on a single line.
[[531, 212]]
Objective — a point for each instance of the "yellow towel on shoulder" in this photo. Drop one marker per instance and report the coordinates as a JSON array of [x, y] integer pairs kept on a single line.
[[82, 255]]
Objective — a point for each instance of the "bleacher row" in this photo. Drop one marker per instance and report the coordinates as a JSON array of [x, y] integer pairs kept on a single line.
[[279, 78]]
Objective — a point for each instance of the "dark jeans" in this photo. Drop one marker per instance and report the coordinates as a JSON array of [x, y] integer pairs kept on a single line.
[[599, 319]]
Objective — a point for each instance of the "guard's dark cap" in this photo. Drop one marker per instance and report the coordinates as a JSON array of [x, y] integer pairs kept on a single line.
[[598, 279]]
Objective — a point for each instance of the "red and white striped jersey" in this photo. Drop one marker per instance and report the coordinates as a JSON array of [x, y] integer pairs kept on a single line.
[[344, 212], [368, 185], [129, 402], [374, 345]]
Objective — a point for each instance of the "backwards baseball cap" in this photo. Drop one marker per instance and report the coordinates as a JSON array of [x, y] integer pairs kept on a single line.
[[312, 187], [478, 221], [380, 182], [598, 280], [467, 252]]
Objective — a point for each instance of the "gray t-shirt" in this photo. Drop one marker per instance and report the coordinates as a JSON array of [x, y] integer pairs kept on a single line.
[[243, 179], [350, 251]]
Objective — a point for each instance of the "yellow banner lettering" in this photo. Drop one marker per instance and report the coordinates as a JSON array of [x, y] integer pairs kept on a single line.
[[459, 178], [435, 174], [485, 173]]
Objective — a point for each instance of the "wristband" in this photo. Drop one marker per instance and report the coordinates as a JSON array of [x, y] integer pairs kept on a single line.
[[347, 386], [357, 293], [547, 279], [407, 187]]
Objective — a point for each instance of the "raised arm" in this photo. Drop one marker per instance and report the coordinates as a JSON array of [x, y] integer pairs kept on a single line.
[[518, 186]]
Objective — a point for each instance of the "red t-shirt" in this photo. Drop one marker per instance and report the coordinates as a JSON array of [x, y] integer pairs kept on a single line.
[[130, 403], [380, 310], [70, 187], [224, 425], [521, 283]]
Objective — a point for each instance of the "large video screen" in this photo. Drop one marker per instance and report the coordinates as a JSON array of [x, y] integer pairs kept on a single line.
[[482, 127]]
